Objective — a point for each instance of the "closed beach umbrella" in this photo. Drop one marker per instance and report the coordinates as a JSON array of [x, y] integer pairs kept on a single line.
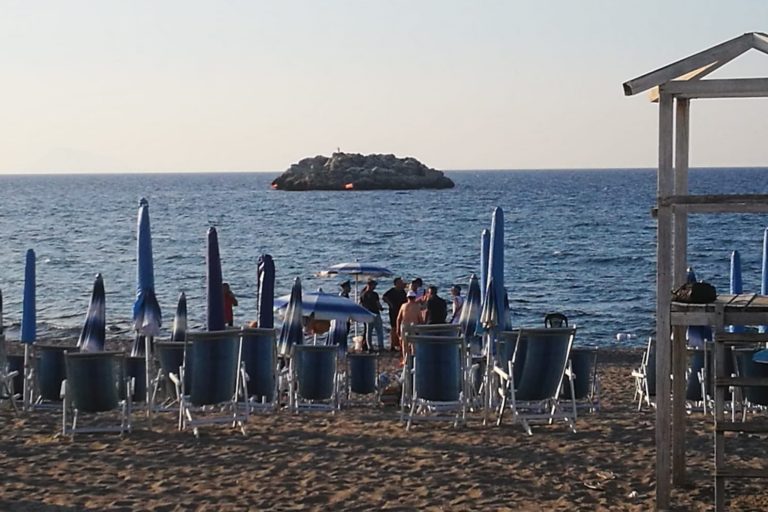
[[28, 318], [179, 331], [1, 313], [292, 331], [495, 284], [764, 276], [327, 306], [690, 276], [485, 248], [266, 289], [736, 284], [213, 279], [93, 335], [146, 311], [470, 312], [338, 334]]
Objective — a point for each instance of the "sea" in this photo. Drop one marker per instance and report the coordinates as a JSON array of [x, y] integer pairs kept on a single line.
[[581, 242]]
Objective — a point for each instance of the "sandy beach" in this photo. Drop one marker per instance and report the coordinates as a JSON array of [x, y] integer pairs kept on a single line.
[[362, 459]]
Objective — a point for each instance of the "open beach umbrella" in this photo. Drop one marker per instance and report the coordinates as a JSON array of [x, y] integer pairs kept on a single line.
[[357, 270], [266, 291], [327, 306], [179, 331], [214, 281], [485, 247], [470, 312], [292, 331], [736, 284], [93, 335], [146, 311]]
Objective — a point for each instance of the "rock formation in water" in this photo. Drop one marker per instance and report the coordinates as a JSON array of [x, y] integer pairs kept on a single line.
[[351, 171]]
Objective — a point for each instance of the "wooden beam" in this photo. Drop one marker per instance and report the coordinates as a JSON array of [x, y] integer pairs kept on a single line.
[[697, 74], [725, 52], [760, 42], [665, 187], [717, 202], [680, 250], [720, 88]]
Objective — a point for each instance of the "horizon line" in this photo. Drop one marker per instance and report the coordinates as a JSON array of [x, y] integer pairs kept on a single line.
[[250, 171]]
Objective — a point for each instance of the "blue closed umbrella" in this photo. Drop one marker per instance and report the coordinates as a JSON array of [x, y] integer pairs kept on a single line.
[[28, 318], [338, 335], [146, 310], [485, 249], [93, 335], [470, 312], [327, 306], [214, 284], [179, 331], [736, 284], [266, 289], [292, 331], [495, 292], [764, 275]]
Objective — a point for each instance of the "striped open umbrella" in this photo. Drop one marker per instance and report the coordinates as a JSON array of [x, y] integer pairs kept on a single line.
[[266, 290], [292, 331], [179, 331], [93, 335], [146, 311], [327, 306], [214, 282]]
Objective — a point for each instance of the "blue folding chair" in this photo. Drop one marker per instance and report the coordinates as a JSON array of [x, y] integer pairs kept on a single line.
[[96, 382]]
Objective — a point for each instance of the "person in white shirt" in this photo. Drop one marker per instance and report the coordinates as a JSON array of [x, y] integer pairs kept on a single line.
[[458, 303]]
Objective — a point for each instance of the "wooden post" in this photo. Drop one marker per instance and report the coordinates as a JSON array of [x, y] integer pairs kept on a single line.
[[663, 300], [680, 249]]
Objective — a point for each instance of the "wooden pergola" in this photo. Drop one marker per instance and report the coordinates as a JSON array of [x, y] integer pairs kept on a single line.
[[673, 87]]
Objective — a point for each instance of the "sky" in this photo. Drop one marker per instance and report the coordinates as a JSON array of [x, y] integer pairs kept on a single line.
[[167, 86]]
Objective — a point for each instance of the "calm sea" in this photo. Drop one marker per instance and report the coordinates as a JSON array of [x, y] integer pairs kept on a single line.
[[577, 241]]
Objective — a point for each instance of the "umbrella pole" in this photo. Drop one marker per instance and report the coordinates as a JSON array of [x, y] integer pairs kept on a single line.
[[26, 398], [148, 377], [356, 302]]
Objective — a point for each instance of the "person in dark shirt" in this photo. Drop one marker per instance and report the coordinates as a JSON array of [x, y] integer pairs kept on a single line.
[[437, 308], [394, 298], [369, 299]]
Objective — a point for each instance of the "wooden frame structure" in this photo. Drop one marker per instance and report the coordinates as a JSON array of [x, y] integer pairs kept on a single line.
[[673, 87]]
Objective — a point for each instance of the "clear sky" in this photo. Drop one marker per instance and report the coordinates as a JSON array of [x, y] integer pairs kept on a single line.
[[188, 85]]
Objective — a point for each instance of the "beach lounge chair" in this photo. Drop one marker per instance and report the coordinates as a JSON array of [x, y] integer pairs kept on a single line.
[[536, 396], [170, 355], [216, 382], [755, 398], [313, 382], [260, 364], [645, 377], [7, 378], [46, 375], [555, 320], [438, 377], [361, 376], [96, 383], [586, 382]]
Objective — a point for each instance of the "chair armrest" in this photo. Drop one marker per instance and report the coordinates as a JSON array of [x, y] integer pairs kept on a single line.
[[504, 375], [12, 374], [63, 389]]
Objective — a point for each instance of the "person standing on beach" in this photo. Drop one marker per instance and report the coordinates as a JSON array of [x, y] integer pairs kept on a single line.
[[229, 302], [457, 302], [409, 314], [394, 298], [437, 308], [369, 299]]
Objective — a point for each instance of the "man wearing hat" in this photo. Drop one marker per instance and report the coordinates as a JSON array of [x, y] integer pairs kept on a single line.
[[369, 299]]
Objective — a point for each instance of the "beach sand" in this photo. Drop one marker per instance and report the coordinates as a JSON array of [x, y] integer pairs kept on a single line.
[[363, 459]]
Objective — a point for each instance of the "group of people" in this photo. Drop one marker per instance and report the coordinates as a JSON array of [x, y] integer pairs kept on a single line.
[[408, 304]]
